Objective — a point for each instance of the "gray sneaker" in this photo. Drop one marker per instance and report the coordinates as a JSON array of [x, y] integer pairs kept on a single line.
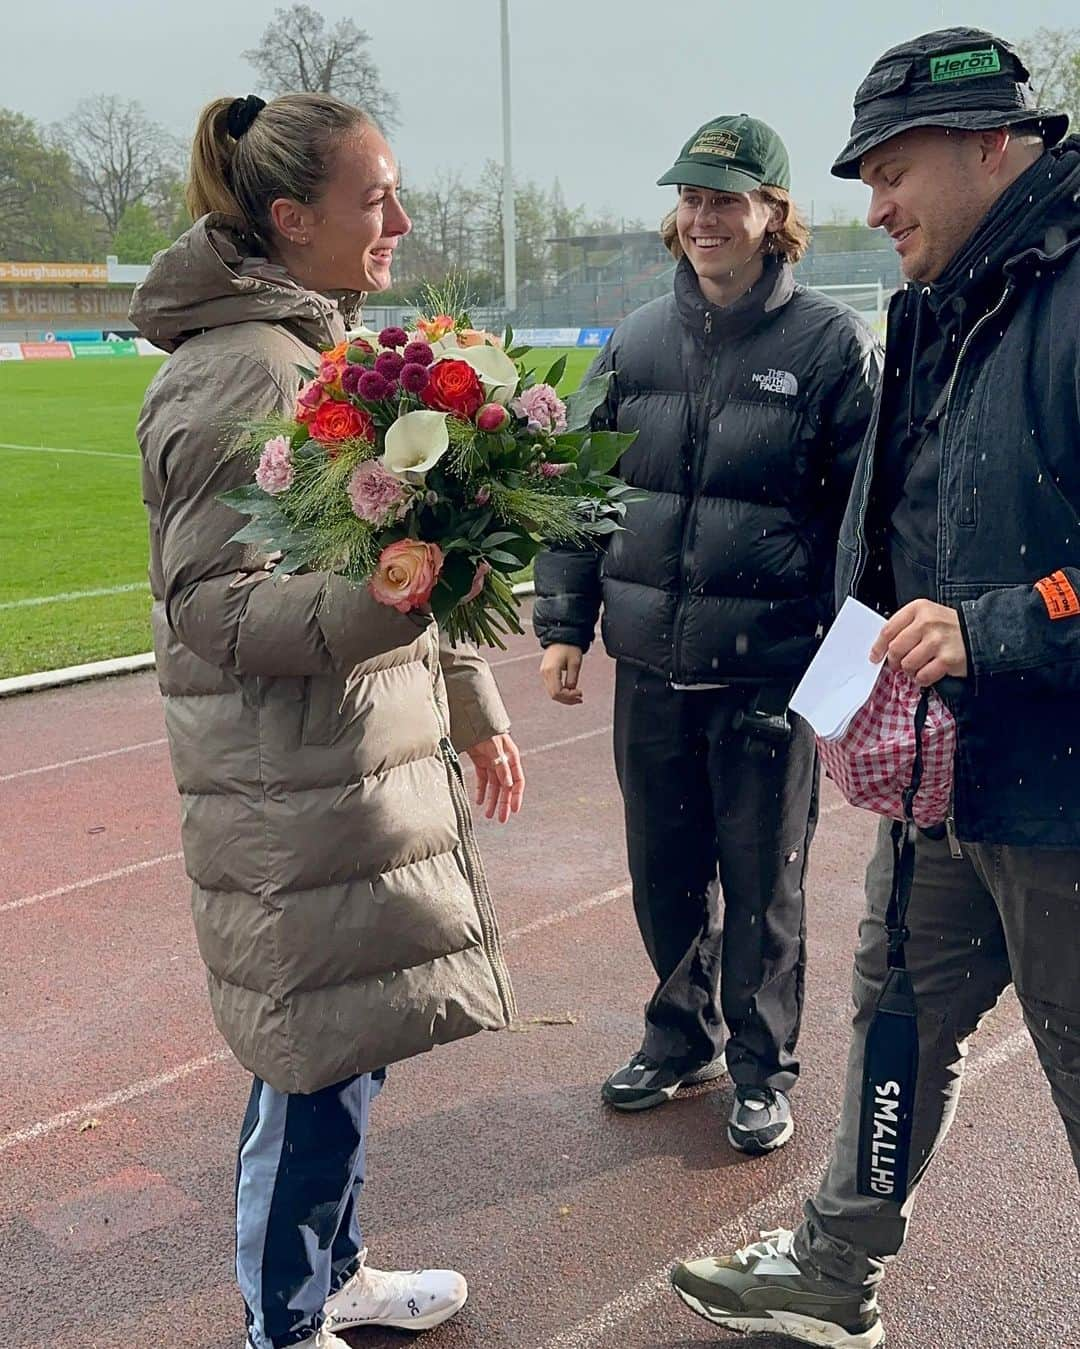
[[760, 1120], [762, 1288], [643, 1083]]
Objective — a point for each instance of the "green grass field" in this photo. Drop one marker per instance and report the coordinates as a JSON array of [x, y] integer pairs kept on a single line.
[[72, 526]]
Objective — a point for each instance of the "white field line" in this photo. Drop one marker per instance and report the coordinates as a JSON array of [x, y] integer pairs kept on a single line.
[[35, 600], [59, 449], [83, 758], [11, 904], [600, 1327]]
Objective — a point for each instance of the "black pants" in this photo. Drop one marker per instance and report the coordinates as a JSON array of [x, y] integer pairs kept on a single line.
[[701, 807]]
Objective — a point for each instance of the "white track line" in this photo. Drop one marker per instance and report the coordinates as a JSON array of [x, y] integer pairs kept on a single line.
[[58, 449], [565, 915], [151, 1084], [89, 881], [129, 1093], [596, 1329], [513, 660], [83, 758], [60, 890], [34, 600], [153, 744], [570, 740]]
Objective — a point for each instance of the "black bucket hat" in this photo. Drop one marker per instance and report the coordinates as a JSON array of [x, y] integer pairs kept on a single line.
[[954, 77]]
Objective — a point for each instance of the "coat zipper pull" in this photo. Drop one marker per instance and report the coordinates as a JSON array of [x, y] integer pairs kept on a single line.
[[708, 322], [954, 843]]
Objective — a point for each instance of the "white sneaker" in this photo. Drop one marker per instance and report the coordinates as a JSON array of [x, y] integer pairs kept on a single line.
[[416, 1299], [322, 1339]]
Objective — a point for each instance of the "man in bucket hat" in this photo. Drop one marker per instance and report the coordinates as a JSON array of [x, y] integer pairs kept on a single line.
[[964, 528]]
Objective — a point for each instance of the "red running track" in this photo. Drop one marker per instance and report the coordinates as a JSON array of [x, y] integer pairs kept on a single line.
[[119, 1108]]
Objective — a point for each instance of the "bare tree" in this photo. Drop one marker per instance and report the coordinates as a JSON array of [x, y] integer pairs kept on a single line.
[[298, 52], [1053, 57], [119, 156]]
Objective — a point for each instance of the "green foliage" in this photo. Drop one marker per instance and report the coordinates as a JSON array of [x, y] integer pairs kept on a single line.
[[41, 216], [139, 236]]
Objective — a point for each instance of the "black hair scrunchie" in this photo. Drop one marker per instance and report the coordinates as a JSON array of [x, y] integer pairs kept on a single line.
[[242, 112]]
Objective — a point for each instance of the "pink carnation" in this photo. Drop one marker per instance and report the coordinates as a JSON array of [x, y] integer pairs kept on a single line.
[[542, 408], [374, 492], [549, 470], [275, 471]]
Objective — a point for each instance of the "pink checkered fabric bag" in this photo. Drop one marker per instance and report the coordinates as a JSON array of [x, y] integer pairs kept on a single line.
[[873, 761]]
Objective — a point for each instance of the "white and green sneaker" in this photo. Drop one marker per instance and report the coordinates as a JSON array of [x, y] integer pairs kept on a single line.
[[762, 1288]]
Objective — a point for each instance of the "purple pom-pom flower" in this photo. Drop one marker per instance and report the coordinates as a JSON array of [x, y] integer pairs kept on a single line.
[[414, 377], [393, 337], [373, 386], [351, 377], [389, 364], [418, 353]]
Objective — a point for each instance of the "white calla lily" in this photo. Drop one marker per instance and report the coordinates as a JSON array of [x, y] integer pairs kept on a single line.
[[497, 372], [447, 345], [416, 442], [363, 334]]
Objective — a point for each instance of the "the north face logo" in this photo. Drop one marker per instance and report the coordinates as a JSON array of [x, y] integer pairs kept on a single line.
[[777, 381]]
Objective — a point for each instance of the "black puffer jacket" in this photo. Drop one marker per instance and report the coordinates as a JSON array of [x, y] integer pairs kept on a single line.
[[750, 419]]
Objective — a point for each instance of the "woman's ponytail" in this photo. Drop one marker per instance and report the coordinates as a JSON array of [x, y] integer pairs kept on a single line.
[[210, 178]]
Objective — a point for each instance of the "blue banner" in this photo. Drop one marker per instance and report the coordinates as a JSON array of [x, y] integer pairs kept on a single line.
[[594, 337]]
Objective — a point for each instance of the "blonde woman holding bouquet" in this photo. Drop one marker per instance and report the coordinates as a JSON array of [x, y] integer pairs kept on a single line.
[[339, 899]]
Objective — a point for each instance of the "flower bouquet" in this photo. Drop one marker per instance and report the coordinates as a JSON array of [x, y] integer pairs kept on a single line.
[[430, 467]]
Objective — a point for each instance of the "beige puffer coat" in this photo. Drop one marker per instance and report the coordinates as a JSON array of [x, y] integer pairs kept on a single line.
[[339, 899]]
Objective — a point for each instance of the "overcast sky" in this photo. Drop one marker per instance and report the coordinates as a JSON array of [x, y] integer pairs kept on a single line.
[[604, 91]]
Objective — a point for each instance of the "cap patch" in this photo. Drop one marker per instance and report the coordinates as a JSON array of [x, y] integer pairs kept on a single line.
[[724, 144], [963, 65]]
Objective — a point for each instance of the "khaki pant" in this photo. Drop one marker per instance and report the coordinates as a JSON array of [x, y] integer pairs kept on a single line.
[[998, 915]]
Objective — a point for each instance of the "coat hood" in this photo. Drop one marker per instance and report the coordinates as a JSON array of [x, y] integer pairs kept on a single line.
[[211, 278]]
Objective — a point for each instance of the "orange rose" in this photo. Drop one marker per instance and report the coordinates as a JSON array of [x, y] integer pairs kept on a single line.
[[406, 574], [453, 387], [334, 422], [336, 353]]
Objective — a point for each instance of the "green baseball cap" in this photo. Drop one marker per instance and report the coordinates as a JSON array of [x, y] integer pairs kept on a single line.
[[731, 154]]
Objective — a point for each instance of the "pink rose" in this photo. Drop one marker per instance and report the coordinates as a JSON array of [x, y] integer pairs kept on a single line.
[[492, 417], [406, 574], [477, 582], [275, 471], [542, 408], [374, 492], [309, 399]]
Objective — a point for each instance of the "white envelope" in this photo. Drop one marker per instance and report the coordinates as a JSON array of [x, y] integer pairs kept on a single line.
[[841, 677]]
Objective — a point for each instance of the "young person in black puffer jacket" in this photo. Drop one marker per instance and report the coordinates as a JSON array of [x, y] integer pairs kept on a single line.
[[750, 396]]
